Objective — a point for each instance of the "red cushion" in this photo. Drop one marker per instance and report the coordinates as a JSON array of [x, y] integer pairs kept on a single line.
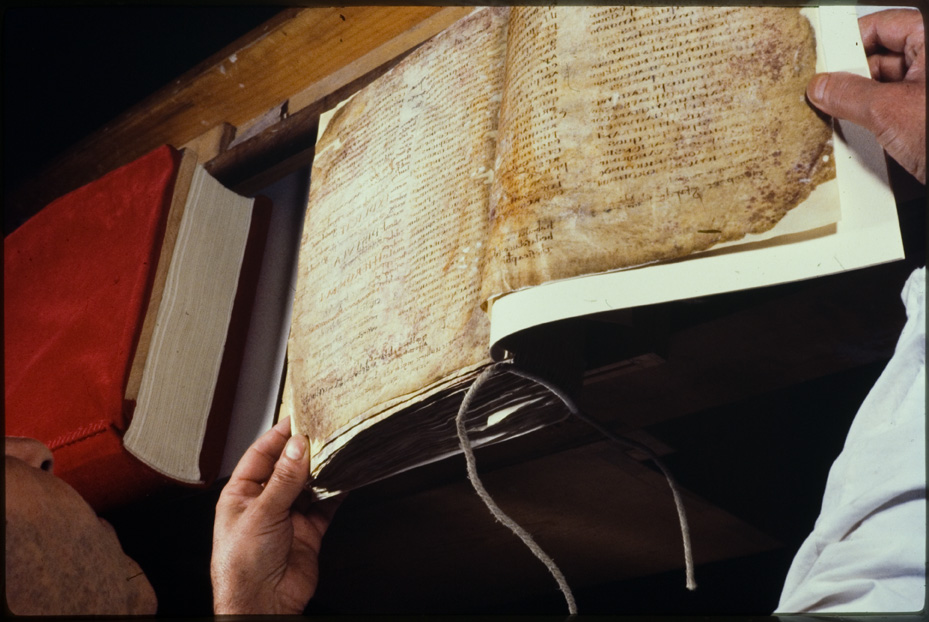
[[77, 278]]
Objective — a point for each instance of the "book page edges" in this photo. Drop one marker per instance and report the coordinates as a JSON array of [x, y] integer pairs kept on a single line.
[[168, 427], [498, 418], [182, 180], [380, 412], [867, 234]]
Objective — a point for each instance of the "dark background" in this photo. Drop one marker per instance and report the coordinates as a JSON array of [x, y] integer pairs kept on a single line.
[[69, 70]]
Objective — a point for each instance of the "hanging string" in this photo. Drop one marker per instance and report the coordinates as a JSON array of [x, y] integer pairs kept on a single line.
[[491, 504], [630, 444], [507, 366]]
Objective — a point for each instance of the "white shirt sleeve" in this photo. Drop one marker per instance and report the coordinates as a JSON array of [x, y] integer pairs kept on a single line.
[[867, 551]]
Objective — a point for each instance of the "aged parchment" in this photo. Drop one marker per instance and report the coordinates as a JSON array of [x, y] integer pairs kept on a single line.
[[653, 132], [391, 259], [524, 146]]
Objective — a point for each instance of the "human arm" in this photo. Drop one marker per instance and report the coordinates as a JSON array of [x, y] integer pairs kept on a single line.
[[265, 550], [891, 105]]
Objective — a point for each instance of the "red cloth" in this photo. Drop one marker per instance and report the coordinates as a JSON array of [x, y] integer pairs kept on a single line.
[[77, 278]]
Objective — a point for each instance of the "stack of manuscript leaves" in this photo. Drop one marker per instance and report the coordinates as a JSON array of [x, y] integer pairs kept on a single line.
[[519, 147]]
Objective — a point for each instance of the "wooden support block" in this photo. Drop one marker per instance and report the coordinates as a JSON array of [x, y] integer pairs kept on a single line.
[[211, 143]]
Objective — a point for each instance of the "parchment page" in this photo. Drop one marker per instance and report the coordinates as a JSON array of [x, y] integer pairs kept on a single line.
[[867, 234], [387, 298], [645, 133]]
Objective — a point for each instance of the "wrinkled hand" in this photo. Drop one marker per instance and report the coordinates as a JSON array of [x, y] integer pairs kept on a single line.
[[892, 105], [265, 551]]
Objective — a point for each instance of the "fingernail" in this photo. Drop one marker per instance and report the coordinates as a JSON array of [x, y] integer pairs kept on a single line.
[[816, 88], [295, 447]]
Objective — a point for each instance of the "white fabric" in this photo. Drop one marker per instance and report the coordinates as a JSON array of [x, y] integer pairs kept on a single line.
[[867, 551]]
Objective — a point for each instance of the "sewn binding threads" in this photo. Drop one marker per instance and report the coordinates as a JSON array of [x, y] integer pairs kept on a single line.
[[501, 516]]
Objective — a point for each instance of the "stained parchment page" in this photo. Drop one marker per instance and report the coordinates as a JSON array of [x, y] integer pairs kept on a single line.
[[387, 299], [867, 234], [647, 133]]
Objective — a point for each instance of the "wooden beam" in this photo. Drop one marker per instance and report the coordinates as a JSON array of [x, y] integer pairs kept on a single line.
[[305, 53]]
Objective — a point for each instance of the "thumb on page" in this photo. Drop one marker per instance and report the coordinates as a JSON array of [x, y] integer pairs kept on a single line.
[[893, 111], [844, 95], [289, 476]]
